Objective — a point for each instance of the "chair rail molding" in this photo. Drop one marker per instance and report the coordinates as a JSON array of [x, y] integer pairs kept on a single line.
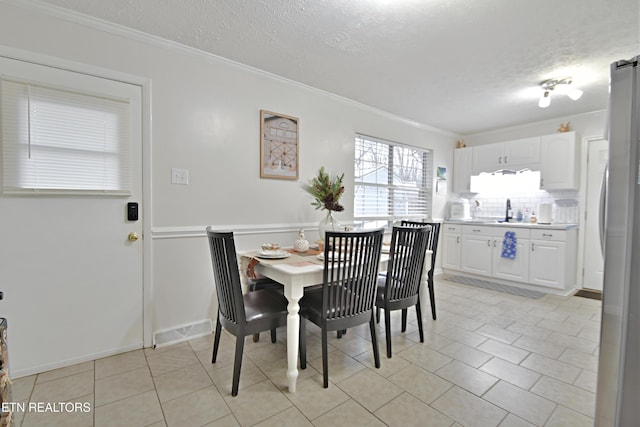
[[181, 232]]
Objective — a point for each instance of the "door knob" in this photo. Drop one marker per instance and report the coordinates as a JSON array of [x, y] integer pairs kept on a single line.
[[133, 236]]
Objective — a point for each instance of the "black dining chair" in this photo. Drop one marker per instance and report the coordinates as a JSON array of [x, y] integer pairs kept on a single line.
[[399, 288], [347, 296], [432, 246], [241, 315]]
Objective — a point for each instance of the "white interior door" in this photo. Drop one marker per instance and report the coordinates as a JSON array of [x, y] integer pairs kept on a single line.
[[72, 280], [593, 260]]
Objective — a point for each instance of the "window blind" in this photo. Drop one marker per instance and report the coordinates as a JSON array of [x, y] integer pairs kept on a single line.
[[63, 141], [391, 182]]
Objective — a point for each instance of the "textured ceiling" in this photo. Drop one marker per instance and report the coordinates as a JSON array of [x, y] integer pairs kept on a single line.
[[463, 66]]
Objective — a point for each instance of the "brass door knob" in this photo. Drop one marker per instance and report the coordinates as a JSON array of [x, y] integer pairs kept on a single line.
[[133, 236]]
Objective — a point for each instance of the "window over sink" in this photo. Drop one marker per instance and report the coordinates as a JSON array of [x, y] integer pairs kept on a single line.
[[391, 182]]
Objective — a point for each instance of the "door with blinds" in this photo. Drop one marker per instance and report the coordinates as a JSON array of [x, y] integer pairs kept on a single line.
[[71, 247]]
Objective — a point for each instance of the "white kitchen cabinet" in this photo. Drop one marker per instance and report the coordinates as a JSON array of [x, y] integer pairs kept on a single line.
[[462, 158], [552, 258], [559, 161], [516, 154], [477, 249], [516, 269], [450, 246]]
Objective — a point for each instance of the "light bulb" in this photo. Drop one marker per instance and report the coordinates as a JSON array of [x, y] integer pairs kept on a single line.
[[562, 88], [545, 100], [575, 94]]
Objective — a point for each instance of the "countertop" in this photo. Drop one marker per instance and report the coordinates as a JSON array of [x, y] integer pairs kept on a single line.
[[496, 223]]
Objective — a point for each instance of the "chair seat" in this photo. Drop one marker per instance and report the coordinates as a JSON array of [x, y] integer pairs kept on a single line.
[[263, 304], [311, 303]]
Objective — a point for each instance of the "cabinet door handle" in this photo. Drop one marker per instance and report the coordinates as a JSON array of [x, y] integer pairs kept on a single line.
[[457, 239], [547, 235], [532, 247], [500, 160], [494, 243], [489, 242], [505, 159]]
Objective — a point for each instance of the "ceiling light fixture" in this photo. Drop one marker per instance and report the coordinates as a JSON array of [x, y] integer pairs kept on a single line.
[[562, 86]]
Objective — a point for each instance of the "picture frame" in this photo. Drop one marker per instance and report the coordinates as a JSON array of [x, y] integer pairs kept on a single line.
[[279, 146]]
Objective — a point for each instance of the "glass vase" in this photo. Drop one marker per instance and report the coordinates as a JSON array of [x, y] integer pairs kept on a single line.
[[328, 223]]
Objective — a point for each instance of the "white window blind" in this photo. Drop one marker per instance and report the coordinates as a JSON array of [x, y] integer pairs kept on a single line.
[[391, 182], [63, 141]]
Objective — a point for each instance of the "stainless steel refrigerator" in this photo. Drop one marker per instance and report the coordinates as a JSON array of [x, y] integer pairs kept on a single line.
[[618, 392]]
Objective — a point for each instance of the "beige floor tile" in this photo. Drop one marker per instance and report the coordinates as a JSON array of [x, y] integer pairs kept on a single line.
[[167, 359], [195, 409], [504, 351], [121, 386], [407, 411], [465, 354], [277, 373], [540, 347], [463, 336], [498, 334], [21, 388], [141, 410], [291, 417], [587, 380], [580, 359], [202, 343], [388, 366], [436, 341], [552, 368], [250, 374], [514, 374], [466, 377], [64, 389], [423, 356], [563, 326], [514, 421], [370, 389], [74, 413], [183, 381], [226, 421], [264, 351], [529, 330], [566, 395], [420, 383], [257, 403], [65, 372], [349, 414], [314, 400], [354, 345], [468, 409], [580, 344], [341, 366], [120, 363], [563, 417], [526, 405]]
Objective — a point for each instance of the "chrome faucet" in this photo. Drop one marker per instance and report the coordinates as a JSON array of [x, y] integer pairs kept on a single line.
[[509, 214]]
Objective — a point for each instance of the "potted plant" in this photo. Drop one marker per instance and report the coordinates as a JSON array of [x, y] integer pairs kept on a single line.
[[326, 191]]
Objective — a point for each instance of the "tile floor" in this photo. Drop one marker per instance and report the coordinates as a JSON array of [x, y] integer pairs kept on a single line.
[[490, 359]]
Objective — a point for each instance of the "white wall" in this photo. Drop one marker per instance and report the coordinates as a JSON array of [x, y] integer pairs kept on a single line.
[[206, 119]]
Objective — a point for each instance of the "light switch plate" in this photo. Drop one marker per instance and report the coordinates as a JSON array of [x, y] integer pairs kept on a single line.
[[179, 176]]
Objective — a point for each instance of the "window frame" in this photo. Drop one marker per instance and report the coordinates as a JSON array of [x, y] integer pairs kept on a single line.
[[423, 192]]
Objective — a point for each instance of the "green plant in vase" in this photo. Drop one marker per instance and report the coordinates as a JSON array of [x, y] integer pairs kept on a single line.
[[326, 191]]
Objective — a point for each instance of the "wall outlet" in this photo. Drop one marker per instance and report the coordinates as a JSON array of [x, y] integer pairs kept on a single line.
[[179, 176]]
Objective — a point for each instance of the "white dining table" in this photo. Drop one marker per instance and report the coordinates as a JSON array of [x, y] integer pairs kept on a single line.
[[295, 273]]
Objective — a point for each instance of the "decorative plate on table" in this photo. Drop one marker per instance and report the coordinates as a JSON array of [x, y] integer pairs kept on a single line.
[[273, 254]]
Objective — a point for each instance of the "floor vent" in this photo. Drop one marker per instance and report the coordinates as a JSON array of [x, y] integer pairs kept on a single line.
[[496, 287], [587, 293], [182, 333]]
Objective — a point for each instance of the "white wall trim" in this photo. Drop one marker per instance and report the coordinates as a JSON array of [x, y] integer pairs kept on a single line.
[[240, 230], [120, 30]]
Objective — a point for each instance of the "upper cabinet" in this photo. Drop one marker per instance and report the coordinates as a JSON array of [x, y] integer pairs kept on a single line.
[[516, 154], [559, 161], [462, 170]]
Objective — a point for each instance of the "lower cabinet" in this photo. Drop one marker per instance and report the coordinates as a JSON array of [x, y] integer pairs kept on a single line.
[[450, 246], [543, 257]]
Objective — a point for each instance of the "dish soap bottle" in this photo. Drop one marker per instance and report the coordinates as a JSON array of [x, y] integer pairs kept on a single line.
[[533, 218], [301, 245]]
